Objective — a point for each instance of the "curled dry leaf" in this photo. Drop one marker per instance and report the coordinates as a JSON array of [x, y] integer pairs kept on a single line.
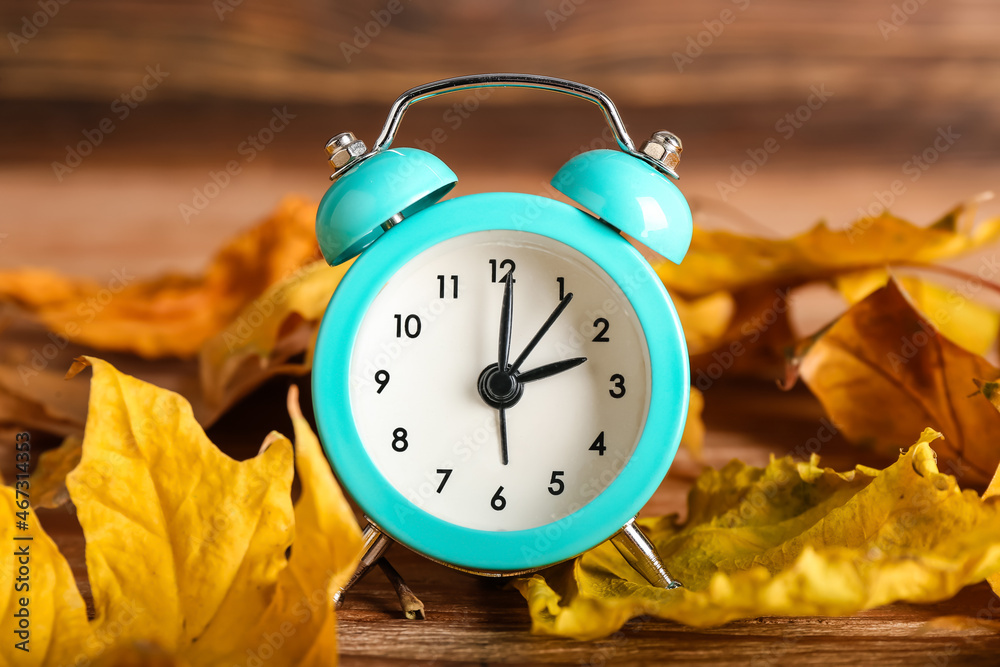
[[883, 367], [789, 539], [172, 315], [186, 548]]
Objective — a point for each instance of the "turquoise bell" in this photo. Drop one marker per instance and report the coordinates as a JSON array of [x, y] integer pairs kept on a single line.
[[632, 196], [363, 203]]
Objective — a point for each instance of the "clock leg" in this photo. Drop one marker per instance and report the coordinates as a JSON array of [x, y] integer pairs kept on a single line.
[[640, 553], [375, 544], [411, 605]]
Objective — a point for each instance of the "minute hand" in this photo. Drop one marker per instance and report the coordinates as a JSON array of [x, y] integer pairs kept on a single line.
[[548, 370], [541, 332]]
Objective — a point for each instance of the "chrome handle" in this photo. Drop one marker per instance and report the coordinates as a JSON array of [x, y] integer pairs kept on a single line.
[[503, 80], [662, 151]]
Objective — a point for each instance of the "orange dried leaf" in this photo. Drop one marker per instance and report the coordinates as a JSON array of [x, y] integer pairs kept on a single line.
[[172, 315], [883, 367]]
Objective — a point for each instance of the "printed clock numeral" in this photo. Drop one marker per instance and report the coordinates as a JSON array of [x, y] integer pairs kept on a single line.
[[498, 502], [409, 326], [441, 287], [603, 325], [503, 264], [556, 485], [598, 445], [444, 480], [399, 442], [618, 390], [382, 378]]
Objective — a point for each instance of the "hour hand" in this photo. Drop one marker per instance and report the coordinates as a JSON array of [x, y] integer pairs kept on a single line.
[[549, 370]]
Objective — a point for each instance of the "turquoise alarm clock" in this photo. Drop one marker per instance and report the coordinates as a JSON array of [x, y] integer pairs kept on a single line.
[[500, 380]]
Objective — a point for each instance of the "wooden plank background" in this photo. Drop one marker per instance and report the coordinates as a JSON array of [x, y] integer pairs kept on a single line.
[[895, 86]]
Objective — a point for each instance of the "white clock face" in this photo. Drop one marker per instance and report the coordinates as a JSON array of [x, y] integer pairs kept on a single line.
[[433, 429]]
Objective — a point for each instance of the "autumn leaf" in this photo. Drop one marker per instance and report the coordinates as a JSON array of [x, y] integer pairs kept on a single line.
[[789, 539], [952, 311], [991, 391], [57, 615], [883, 367], [721, 260], [172, 315], [48, 481], [759, 274], [186, 548], [704, 319], [693, 438], [279, 324]]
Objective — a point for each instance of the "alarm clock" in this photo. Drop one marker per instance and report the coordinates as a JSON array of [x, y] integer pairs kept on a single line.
[[500, 380]]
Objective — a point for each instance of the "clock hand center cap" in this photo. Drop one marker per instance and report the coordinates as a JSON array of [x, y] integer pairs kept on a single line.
[[499, 389]]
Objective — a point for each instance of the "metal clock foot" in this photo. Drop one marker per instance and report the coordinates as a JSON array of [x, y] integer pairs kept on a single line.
[[411, 605], [375, 544], [640, 553]]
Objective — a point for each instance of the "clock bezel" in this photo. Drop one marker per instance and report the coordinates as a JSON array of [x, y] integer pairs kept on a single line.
[[532, 548]]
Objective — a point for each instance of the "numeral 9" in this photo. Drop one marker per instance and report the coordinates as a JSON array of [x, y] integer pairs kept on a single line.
[[382, 378]]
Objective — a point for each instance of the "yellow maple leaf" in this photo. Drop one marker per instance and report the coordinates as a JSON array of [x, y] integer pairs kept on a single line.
[[883, 367], [186, 548], [789, 539], [171, 315]]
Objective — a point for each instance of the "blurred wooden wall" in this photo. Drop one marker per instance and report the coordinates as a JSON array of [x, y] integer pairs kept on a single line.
[[943, 53]]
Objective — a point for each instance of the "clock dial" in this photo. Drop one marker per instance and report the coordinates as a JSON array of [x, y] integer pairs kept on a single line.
[[431, 333]]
